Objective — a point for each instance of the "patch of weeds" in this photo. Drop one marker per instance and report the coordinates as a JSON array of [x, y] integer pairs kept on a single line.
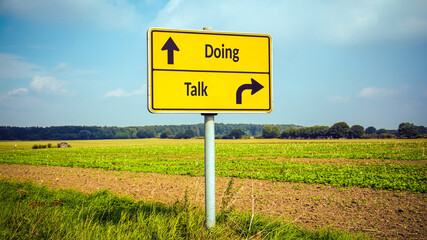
[[301, 186], [228, 198], [316, 198], [343, 204]]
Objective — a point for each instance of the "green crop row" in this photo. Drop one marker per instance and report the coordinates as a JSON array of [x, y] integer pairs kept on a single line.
[[31, 212], [251, 161], [346, 149], [380, 176]]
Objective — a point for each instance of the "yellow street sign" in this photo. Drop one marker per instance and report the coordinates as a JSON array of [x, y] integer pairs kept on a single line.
[[208, 72]]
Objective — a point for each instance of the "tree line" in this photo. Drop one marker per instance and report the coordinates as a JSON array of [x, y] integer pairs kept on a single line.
[[224, 131], [343, 130], [96, 132]]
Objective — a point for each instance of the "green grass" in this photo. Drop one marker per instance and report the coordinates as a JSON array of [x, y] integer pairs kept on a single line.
[[32, 212], [249, 159]]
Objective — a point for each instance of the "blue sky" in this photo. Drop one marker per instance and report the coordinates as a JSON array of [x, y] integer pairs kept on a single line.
[[79, 62]]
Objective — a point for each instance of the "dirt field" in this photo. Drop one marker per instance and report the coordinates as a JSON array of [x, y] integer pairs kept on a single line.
[[376, 213]]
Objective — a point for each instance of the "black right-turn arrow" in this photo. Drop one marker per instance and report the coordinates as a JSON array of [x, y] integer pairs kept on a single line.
[[170, 46], [254, 86]]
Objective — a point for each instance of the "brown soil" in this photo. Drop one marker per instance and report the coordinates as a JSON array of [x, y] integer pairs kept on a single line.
[[376, 213]]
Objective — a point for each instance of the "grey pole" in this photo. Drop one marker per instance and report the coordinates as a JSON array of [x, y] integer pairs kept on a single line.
[[209, 166], [209, 170]]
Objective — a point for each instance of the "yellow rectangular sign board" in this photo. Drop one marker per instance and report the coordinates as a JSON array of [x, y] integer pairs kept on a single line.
[[208, 72]]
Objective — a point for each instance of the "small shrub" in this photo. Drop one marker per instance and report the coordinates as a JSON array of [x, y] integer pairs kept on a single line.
[[369, 136], [387, 136], [40, 146]]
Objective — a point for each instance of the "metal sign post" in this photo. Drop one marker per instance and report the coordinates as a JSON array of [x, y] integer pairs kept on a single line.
[[209, 167], [209, 170]]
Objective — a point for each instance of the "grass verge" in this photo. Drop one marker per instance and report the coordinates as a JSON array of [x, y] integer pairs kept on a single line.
[[33, 212]]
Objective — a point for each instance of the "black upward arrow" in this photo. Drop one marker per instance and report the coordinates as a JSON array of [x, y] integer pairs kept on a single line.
[[255, 86], [170, 46]]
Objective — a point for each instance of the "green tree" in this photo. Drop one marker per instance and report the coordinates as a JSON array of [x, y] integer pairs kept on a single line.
[[7, 133], [141, 133], [188, 134], [179, 135], [185, 134], [151, 133], [266, 131], [286, 133], [236, 133], [380, 131], [84, 134], [270, 131], [166, 133], [320, 131], [147, 132], [122, 135], [339, 130], [387, 135], [407, 130], [422, 130], [356, 131], [370, 130]]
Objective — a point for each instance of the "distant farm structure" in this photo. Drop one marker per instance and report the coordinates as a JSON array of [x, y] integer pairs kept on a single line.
[[63, 145]]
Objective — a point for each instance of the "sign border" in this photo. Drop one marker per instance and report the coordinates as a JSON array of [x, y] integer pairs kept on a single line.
[[150, 70]]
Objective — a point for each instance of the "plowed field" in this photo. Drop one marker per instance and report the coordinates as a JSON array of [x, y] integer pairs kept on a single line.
[[377, 213]]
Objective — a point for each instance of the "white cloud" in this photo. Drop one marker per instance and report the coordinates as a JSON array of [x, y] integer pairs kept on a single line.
[[16, 67], [108, 14], [13, 66], [60, 67], [18, 91], [122, 93], [369, 20], [371, 92], [64, 71], [116, 93], [48, 84], [413, 26], [333, 21], [339, 99]]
